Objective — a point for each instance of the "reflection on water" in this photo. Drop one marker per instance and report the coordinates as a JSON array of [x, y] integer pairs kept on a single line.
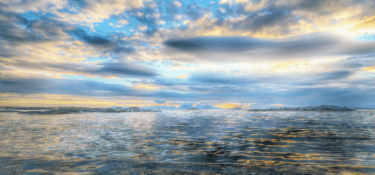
[[183, 141]]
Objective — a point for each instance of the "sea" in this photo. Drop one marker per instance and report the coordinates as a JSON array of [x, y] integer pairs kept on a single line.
[[189, 142]]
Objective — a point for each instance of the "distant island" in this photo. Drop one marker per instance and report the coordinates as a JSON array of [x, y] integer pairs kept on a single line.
[[308, 108], [70, 110]]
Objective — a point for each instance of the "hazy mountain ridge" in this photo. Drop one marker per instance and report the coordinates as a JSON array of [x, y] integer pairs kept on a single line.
[[307, 108], [69, 110]]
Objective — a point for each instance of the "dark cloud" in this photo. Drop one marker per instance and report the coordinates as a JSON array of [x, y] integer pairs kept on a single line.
[[215, 88], [316, 5], [303, 89], [165, 81], [150, 16], [49, 29], [350, 97], [256, 49], [124, 69], [229, 44], [16, 30], [359, 61], [261, 20], [172, 8], [120, 69], [194, 11], [281, 16], [62, 86], [220, 79], [79, 3], [102, 43], [225, 82], [335, 75], [253, 93], [361, 48], [329, 6], [229, 11], [107, 69], [94, 40], [220, 82], [12, 29], [5, 52]]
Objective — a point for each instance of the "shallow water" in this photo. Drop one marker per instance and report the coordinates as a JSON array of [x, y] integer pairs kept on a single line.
[[188, 142]]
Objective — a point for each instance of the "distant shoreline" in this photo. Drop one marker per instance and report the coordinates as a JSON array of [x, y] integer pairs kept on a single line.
[[71, 110], [307, 108]]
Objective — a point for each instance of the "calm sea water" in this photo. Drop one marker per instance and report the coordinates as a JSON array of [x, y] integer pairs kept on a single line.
[[188, 142]]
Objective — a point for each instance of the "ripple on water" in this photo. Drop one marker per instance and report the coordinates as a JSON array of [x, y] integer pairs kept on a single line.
[[211, 141]]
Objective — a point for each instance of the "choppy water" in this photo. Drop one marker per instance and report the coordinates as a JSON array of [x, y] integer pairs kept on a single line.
[[188, 142]]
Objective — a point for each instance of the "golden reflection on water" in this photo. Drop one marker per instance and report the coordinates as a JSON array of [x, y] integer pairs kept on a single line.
[[282, 140]]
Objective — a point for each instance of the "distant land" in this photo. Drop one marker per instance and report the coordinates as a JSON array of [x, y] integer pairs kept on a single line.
[[307, 108], [70, 110]]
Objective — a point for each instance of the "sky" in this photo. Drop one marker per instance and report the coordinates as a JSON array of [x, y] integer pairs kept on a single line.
[[187, 53]]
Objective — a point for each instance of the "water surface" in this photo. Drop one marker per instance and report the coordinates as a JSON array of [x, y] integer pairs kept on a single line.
[[188, 142]]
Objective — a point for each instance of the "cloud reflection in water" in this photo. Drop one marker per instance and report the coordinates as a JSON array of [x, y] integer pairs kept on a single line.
[[213, 141]]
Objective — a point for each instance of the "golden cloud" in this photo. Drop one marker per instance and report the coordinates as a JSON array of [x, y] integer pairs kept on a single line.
[[61, 100], [146, 86], [228, 105], [369, 68]]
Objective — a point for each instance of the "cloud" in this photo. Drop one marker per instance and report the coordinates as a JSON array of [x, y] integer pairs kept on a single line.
[[94, 40], [81, 12], [369, 68], [53, 48], [11, 29], [258, 22], [62, 86], [160, 101], [256, 49], [80, 3], [189, 105], [277, 105], [286, 45], [146, 87], [336, 75], [22, 6], [277, 19], [124, 69], [230, 44], [20, 37], [229, 106], [177, 4], [97, 10], [215, 88], [101, 42], [194, 11], [214, 78], [61, 100], [105, 69], [328, 6]]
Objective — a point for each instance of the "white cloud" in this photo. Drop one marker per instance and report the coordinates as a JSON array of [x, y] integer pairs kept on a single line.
[[177, 3]]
